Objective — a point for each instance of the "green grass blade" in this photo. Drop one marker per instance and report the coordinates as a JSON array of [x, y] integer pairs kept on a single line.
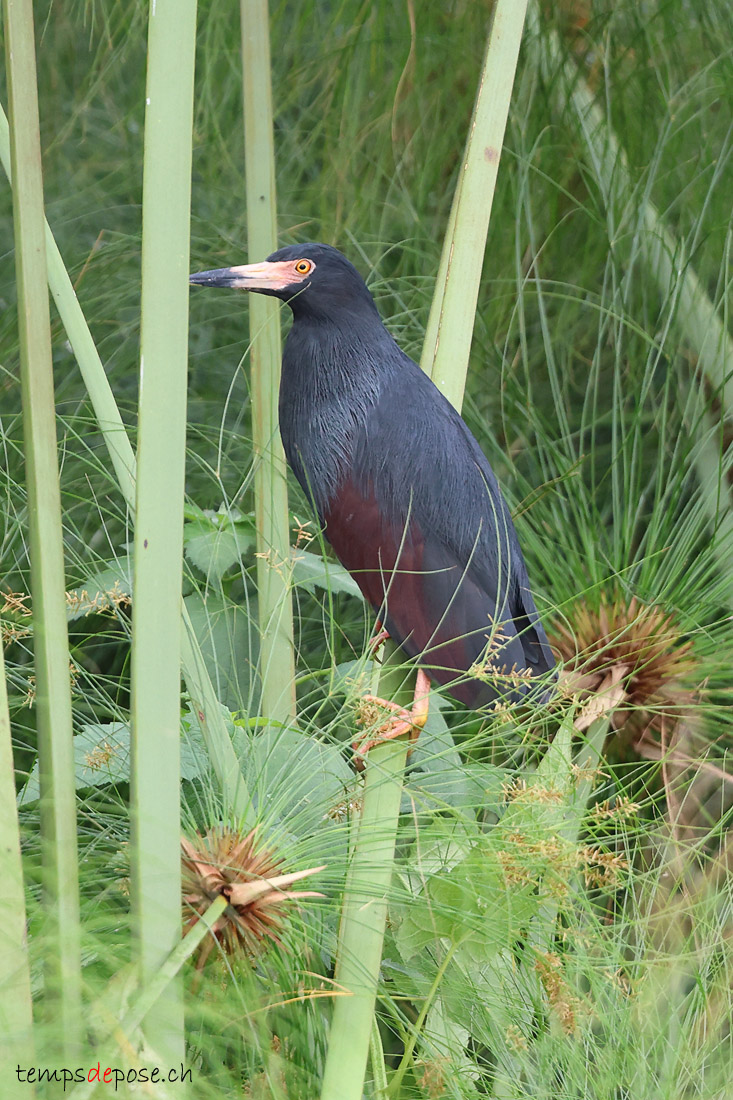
[[450, 325], [664, 255], [156, 619], [198, 682], [80, 338], [275, 606], [50, 639], [16, 1010]]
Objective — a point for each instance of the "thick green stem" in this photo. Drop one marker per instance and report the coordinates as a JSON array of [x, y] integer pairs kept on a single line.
[[50, 639], [16, 1010], [156, 613], [713, 466], [82, 343], [450, 325], [277, 666], [364, 915]]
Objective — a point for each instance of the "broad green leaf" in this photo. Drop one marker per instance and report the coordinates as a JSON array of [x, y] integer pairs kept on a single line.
[[450, 1039], [215, 541], [473, 903], [311, 571], [102, 589], [439, 847], [230, 647], [195, 762], [543, 806], [352, 677], [437, 776], [101, 757], [556, 766]]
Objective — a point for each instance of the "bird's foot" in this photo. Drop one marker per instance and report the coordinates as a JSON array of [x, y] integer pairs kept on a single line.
[[399, 722], [378, 638]]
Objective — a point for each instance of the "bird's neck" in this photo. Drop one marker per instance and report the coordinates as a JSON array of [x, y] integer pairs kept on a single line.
[[332, 378]]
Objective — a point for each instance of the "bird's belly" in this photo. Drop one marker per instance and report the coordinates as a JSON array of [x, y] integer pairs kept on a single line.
[[430, 604]]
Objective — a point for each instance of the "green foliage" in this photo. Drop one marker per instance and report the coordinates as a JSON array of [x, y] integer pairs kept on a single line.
[[101, 757], [311, 571], [215, 541], [515, 965]]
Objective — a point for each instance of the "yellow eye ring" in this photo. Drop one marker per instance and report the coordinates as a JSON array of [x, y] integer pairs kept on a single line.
[[303, 267]]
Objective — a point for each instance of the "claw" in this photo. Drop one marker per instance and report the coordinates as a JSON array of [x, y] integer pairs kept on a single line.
[[378, 639], [400, 722]]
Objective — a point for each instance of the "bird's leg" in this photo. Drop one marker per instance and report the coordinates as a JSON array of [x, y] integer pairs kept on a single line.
[[378, 638], [400, 720]]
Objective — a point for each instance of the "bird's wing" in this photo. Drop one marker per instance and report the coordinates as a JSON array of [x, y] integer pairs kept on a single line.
[[431, 501], [432, 604]]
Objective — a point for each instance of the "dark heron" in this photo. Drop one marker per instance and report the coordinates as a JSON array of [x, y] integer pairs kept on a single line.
[[405, 495]]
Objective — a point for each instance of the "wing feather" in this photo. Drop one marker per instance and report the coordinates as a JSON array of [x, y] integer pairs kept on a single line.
[[431, 604]]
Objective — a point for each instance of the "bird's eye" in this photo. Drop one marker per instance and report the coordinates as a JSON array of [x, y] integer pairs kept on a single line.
[[303, 267]]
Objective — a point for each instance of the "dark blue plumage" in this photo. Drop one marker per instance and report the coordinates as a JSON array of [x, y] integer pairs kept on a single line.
[[409, 501]]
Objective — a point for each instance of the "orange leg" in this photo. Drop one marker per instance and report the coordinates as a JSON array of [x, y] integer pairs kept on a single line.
[[378, 639], [400, 720]]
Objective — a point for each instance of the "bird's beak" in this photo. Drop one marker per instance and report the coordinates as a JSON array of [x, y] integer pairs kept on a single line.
[[272, 276]]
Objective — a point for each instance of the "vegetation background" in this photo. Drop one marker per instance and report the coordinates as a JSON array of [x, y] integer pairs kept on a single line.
[[608, 426]]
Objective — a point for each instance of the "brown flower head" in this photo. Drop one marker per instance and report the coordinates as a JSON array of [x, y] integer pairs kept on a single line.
[[249, 875], [632, 653]]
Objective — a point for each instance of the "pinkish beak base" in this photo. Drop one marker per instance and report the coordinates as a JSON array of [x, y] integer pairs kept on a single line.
[[268, 275]]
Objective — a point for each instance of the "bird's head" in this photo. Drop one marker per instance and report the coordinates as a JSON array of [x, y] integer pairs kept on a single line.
[[314, 279]]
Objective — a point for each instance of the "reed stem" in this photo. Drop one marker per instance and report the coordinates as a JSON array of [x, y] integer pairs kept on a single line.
[[16, 1008], [156, 611], [275, 607], [364, 907], [450, 325], [50, 638]]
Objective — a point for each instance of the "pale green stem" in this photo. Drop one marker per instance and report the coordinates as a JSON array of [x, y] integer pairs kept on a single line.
[[82, 343], [155, 988], [50, 639], [198, 682], [364, 917], [16, 1009], [376, 1060], [450, 325], [274, 600], [156, 609], [364, 913], [713, 469]]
